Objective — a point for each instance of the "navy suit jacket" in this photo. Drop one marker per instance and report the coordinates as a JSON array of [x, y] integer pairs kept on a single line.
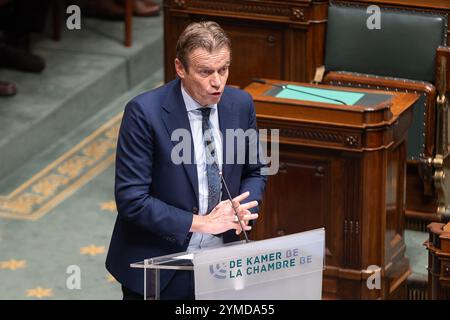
[[155, 198]]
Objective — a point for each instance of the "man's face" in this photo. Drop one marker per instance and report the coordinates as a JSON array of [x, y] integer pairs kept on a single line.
[[207, 76]]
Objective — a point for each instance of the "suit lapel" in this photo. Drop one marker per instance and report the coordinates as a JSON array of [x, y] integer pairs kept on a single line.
[[176, 117], [227, 120]]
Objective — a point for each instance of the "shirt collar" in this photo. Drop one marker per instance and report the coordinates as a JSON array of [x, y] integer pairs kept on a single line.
[[191, 104]]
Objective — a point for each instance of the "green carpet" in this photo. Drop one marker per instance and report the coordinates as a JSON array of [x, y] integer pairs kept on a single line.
[[57, 147], [58, 211]]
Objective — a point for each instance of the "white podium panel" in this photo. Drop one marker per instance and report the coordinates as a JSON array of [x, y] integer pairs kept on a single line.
[[288, 267]]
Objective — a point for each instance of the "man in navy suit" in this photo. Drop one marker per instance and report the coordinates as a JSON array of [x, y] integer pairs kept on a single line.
[[166, 205]]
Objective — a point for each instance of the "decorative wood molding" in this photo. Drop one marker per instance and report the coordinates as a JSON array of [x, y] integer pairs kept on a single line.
[[180, 3], [296, 14], [327, 136], [345, 140], [351, 227]]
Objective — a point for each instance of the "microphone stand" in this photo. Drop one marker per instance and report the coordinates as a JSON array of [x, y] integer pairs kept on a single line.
[[234, 208]]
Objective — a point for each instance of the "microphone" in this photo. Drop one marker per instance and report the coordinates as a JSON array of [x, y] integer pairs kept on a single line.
[[282, 86], [234, 208]]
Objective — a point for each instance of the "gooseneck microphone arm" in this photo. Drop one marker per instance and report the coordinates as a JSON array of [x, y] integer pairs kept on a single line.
[[286, 87], [234, 208]]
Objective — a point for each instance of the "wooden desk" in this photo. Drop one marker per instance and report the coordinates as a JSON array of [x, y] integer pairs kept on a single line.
[[342, 168], [285, 39], [438, 246]]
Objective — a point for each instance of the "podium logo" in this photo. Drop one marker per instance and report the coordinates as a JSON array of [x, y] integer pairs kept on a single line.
[[219, 270]]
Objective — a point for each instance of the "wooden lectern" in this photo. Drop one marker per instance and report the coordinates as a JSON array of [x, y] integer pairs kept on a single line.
[[438, 246], [342, 167]]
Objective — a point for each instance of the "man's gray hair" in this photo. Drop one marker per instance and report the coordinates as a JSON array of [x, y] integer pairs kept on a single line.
[[206, 35]]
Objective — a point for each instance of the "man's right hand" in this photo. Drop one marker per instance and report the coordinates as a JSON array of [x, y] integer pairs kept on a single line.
[[222, 217]]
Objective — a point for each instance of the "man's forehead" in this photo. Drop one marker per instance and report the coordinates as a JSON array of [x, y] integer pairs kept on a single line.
[[202, 57]]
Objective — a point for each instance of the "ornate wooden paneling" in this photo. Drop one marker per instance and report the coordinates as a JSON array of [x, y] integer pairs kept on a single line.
[[438, 246], [342, 168], [273, 39]]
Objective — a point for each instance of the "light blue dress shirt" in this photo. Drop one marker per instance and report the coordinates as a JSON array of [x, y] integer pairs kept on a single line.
[[201, 240]]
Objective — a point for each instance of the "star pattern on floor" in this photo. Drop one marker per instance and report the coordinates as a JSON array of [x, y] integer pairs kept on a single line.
[[13, 264], [110, 278], [109, 206], [92, 250], [39, 292]]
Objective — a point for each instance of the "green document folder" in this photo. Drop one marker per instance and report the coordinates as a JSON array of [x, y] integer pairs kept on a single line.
[[350, 98]]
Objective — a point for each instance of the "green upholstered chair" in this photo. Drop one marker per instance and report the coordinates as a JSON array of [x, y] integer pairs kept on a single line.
[[399, 56]]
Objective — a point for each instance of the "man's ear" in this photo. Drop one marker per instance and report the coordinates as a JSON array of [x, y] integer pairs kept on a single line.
[[179, 68]]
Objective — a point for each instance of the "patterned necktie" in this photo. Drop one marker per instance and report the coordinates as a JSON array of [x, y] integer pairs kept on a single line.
[[212, 169]]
